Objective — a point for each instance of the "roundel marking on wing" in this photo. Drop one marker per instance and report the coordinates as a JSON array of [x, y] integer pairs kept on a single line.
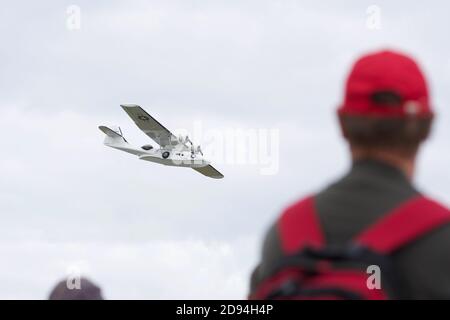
[[143, 118]]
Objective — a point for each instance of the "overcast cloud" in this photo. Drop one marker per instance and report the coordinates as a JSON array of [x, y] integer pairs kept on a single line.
[[146, 231]]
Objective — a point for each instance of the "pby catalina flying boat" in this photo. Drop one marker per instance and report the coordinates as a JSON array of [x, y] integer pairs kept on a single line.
[[172, 150]]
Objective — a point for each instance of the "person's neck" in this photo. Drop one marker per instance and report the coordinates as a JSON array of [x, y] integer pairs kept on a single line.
[[404, 163]]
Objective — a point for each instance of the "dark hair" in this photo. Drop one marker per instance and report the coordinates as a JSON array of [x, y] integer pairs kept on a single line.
[[401, 135]]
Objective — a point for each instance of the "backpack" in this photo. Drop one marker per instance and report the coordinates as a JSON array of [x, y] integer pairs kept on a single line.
[[312, 270]]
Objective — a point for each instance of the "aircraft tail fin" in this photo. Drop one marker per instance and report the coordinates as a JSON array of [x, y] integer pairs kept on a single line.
[[114, 135]]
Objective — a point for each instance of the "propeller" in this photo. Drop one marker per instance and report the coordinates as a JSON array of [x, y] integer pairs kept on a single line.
[[196, 150], [199, 150], [184, 139]]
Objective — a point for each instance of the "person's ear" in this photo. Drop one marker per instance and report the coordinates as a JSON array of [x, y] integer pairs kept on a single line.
[[341, 126], [430, 127]]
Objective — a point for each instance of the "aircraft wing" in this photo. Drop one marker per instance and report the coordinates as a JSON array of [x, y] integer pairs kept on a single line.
[[209, 171], [150, 126]]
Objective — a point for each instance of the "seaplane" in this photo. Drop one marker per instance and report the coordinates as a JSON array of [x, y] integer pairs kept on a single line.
[[170, 150]]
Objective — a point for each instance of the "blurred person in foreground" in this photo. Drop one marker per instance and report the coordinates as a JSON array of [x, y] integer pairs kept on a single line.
[[371, 234], [86, 290]]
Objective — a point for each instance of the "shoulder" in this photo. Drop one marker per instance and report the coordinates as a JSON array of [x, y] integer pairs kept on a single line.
[[434, 216], [434, 204], [440, 232], [297, 209], [273, 248]]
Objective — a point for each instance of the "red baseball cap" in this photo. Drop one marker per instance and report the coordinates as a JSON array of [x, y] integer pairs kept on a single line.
[[386, 84]]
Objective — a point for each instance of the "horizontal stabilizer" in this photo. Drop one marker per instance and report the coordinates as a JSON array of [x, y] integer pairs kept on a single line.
[[110, 132], [112, 135]]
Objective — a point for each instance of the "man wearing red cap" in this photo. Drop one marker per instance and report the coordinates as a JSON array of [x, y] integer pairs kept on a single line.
[[385, 116]]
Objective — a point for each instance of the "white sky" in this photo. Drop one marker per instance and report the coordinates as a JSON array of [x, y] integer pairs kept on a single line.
[[146, 231]]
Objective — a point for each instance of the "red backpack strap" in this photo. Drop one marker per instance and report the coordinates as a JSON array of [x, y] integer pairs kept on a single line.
[[299, 227], [404, 224]]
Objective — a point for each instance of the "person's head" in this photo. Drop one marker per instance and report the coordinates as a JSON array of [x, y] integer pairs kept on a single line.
[[386, 110], [86, 291]]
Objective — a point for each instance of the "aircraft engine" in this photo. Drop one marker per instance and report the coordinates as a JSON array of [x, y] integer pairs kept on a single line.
[[147, 147], [165, 154]]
